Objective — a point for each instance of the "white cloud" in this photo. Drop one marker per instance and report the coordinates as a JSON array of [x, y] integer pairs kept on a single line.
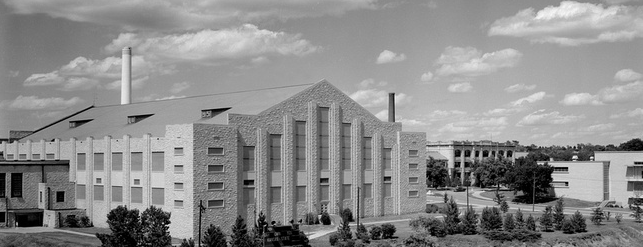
[[189, 15], [519, 87], [529, 99], [426, 77], [627, 75], [502, 112], [376, 98], [580, 99], [598, 127], [14, 73], [451, 128], [154, 97], [552, 118], [390, 57], [638, 112], [460, 87], [446, 113], [365, 84], [136, 83], [51, 78], [621, 93], [480, 124], [35, 103], [468, 61], [79, 83], [212, 46], [180, 86], [613, 2], [573, 23]]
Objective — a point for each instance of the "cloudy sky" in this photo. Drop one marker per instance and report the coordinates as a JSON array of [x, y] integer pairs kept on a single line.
[[542, 72]]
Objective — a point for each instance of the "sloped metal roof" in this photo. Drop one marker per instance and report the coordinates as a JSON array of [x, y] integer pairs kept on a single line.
[[436, 155]]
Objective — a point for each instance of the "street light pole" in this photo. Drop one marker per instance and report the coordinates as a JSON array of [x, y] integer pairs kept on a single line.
[[533, 194], [358, 206], [201, 209], [467, 198]]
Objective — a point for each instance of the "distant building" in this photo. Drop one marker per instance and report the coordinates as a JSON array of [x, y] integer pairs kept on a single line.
[[461, 155], [614, 176], [284, 151]]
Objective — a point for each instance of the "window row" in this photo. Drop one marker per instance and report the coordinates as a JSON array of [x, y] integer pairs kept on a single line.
[[16, 185], [48, 156], [136, 161], [136, 194]]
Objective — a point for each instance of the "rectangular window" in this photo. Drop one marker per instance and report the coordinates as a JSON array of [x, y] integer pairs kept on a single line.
[[215, 151], [413, 166], [387, 179], [388, 190], [248, 196], [117, 193], [367, 190], [80, 161], [178, 168], [178, 186], [80, 191], [561, 169], [301, 194], [99, 180], [137, 195], [137, 161], [248, 158], [3, 217], [346, 191], [117, 161], [414, 193], [22, 156], [16, 184], [178, 151], [3, 185], [249, 183], [275, 194], [324, 193], [558, 184], [413, 153], [387, 155], [50, 156], [367, 142], [158, 196], [9, 156], [215, 168], [324, 180], [215, 204], [99, 193], [300, 145], [158, 161], [215, 186], [414, 180], [99, 161], [35, 156], [178, 203], [275, 152], [324, 137], [346, 146], [137, 181]]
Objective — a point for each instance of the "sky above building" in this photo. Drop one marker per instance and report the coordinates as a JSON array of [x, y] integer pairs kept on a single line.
[[541, 72]]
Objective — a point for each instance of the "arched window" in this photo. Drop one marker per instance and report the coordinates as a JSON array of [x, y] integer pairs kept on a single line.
[[458, 152], [485, 153]]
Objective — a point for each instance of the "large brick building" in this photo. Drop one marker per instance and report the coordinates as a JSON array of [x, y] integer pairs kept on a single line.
[[284, 151]]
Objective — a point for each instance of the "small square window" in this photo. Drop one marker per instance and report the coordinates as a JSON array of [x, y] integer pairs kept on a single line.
[[215, 204], [137, 181], [249, 183], [178, 186], [413, 153], [9, 156], [215, 186], [414, 193], [178, 151], [413, 166], [22, 156], [60, 196], [178, 168], [178, 203], [50, 156], [414, 180], [387, 179], [323, 180], [35, 156], [215, 151], [99, 180], [215, 168]]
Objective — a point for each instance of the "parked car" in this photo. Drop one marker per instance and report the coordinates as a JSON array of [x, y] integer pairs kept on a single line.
[[459, 189]]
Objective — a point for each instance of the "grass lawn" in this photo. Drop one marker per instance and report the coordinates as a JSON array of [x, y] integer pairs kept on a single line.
[[54, 239], [569, 202]]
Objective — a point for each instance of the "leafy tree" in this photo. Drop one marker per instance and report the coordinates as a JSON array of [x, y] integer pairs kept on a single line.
[[498, 197], [504, 206], [451, 219], [344, 230], [214, 237], [637, 213], [635, 144], [446, 197], [362, 234], [436, 173], [579, 222], [376, 232], [568, 226], [509, 224], [469, 221], [597, 216], [559, 214], [491, 219], [546, 220], [491, 172], [520, 221], [240, 235], [521, 177], [347, 215], [388, 230], [155, 225], [125, 226], [531, 223], [257, 230]]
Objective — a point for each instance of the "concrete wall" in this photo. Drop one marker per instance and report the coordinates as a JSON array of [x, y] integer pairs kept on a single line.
[[584, 178], [618, 174]]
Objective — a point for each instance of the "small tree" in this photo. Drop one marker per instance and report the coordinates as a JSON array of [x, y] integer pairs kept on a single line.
[[362, 234], [388, 230], [451, 219], [344, 230], [491, 219], [597, 216], [568, 226], [325, 218], [531, 223], [504, 206], [498, 198], [125, 226], [520, 221], [608, 215], [240, 235], [618, 217], [469, 221], [187, 243], [214, 237], [446, 198], [559, 214], [509, 224], [155, 226], [546, 220], [637, 213], [347, 214], [376, 232], [579, 222]]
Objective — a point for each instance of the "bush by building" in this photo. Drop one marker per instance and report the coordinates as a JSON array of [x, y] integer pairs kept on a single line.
[[71, 221], [362, 234], [311, 219], [347, 215], [325, 218], [420, 240], [376, 232], [597, 216], [388, 230], [491, 219], [214, 237], [568, 227]]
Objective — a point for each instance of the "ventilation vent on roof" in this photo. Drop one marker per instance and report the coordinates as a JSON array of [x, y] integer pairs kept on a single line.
[[210, 113], [137, 118], [76, 123]]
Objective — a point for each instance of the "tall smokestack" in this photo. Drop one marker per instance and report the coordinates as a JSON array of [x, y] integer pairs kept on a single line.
[[126, 76], [391, 107]]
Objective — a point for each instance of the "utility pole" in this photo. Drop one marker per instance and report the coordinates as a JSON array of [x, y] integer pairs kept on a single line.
[[467, 198], [201, 209], [358, 206], [533, 194]]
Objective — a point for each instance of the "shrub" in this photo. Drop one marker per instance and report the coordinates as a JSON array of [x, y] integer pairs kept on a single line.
[[376, 232], [125, 226], [311, 219], [325, 218], [388, 230], [637, 214], [526, 235], [214, 237], [240, 236], [347, 214], [608, 215], [579, 222], [498, 235], [333, 238], [420, 240], [618, 217], [380, 244], [568, 227], [432, 208], [491, 219], [446, 197], [346, 243], [451, 219], [469, 222], [71, 221], [362, 234], [559, 214], [530, 224], [187, 243], [85, 221], [520, 220], [520, 235], [546, 220], [509, 224], [504, 207], [597, 216], [344, 231]]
